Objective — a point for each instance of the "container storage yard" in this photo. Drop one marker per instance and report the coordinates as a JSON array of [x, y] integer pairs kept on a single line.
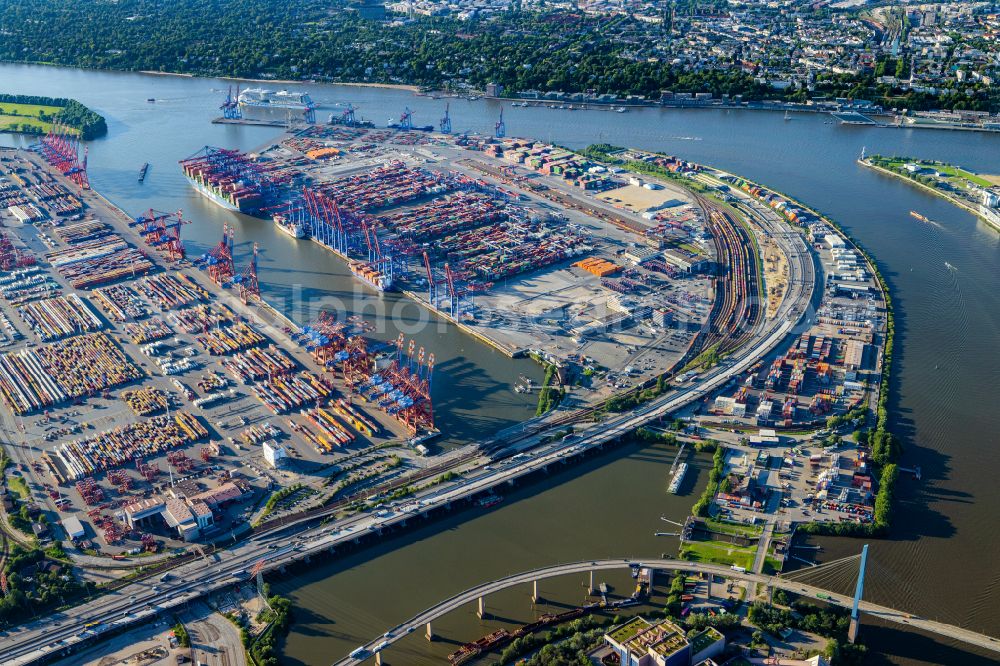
[[502, 236], [135, 370]]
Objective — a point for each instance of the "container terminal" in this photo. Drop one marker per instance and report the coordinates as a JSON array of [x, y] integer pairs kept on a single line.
[[309, 409], [533, 249], [613, 277], [150, 398], [529, 248]]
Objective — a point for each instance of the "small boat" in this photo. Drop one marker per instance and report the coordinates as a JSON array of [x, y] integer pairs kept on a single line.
[[488, 501], [151, 100], [787, 116], [621, 109], [142, 171], [677, 479], [920, 217]]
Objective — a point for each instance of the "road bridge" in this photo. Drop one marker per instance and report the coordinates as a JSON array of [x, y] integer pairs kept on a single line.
[[477, 593]]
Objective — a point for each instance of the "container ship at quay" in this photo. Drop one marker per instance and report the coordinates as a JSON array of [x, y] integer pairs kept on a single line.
[[287, 225], [370, 275], [228, 178], [260, 98], [231, 196]]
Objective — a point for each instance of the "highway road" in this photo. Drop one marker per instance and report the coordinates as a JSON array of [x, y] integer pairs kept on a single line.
[[472, 594], [145, 599]]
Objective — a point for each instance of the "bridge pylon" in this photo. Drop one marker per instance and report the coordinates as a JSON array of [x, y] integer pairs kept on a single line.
[[852, 630]]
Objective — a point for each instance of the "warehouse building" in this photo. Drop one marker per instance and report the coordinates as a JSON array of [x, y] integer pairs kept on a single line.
[[73, 527]]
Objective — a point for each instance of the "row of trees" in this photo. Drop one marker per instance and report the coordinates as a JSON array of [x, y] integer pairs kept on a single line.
[[520, 49], [549, 396], [716, 478]]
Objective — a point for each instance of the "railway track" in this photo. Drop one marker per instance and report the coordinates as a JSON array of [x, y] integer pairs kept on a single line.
[[737, 312]]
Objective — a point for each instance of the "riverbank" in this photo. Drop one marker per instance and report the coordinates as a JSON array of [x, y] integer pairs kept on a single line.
[[992, 218], [289, 82]]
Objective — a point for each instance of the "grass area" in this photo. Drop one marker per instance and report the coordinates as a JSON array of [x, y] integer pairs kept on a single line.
[[772, 566], [717, 552], [17, 109], [956, 172], [693, 249], [19, 487], [724, 527], [7, 122], [949, 170]]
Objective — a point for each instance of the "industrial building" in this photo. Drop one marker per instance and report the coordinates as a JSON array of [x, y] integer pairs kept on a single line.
[[275, 455], [189, 519], [73, 527]]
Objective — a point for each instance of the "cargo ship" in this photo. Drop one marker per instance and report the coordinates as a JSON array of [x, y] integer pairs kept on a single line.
[[142, 172], [229, 195], [294, 228], [268, 99], [678, 478], [370, 275]]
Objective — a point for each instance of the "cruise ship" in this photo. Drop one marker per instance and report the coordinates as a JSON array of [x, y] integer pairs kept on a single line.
[[269, 99]]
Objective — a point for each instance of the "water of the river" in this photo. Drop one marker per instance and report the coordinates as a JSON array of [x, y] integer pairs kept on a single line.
[[941, 559]]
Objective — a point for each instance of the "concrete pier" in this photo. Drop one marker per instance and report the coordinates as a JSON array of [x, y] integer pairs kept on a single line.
[[534, 592], [590, 585], [429, 634], [852, 630], [482, 608]]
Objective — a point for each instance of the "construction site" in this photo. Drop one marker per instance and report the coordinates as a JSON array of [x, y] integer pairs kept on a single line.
[[524, 245], [150, 398]]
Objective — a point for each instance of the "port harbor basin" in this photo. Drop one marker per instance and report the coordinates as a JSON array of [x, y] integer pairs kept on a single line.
[[938, 372]]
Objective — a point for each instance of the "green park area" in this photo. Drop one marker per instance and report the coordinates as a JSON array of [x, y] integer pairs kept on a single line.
[[949, 172], [31, 114], [17, 117], [718, 552], [722, 542]]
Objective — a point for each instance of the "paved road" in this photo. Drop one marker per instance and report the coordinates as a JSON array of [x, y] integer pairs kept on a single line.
[[471, 595]]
